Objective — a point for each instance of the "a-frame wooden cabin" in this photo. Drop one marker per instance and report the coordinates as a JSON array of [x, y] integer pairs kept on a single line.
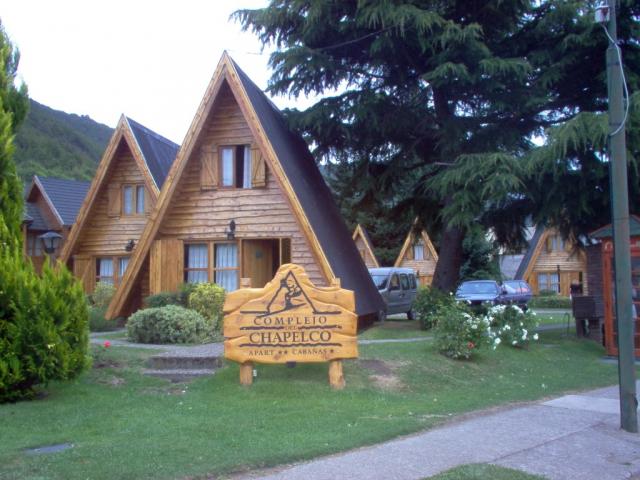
[[243, 196], [365, 247], [552, 263], [118, 203], [418, 253], [50, 205]]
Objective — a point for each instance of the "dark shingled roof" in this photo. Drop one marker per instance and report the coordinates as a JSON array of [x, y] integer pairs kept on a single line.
[[35, 221], [529, 255], [66, 195], [158, 152], [607, 230], [316, 200]]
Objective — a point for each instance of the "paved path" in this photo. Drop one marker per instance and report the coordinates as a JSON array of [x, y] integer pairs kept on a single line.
[[570, 437]]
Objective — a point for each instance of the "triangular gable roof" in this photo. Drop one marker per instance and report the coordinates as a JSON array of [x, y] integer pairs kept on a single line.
[[63, 196], [289, 159], [409, 240], [155, 153], [532, 253], [361, 232], [607, 230]]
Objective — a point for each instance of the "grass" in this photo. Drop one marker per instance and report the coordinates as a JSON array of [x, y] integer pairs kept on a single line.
[[393, 329], [126, 425], [119, 335], [555, 318], [484, 472]]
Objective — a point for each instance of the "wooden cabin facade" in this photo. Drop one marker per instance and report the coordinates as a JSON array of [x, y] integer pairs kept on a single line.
[[51, 205], [418, 253], [602, 271], [365, 247], [243, 197], [118, 204], [552, 263]]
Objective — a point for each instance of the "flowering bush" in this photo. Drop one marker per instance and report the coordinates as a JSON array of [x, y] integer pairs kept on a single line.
[[458, 333], [426, 305], [509, 325]]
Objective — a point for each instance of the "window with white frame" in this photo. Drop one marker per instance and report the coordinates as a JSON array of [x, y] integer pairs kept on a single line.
[[418, 251], [111, 269], [133, 199], [224, 270], [549, 281]]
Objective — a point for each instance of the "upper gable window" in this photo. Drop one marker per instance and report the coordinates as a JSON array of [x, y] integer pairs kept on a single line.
[[235, 166], [418, 251], [133, 200]]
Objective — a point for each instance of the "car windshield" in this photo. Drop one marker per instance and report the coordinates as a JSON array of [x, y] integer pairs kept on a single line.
[[380, 281], [472, 288]]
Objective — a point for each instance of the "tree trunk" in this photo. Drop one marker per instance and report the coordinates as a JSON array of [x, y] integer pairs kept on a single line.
[[447, 271]]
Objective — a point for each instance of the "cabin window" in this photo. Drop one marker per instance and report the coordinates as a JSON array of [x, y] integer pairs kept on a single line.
[[132, 199], [548, 281], [225, 269], [139, 199], [111, 269], [555, 243], [235, 166], [418, 251], [196, 262], [34, 245]]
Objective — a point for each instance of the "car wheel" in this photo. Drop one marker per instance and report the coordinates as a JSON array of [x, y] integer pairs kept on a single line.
[[411, 314]]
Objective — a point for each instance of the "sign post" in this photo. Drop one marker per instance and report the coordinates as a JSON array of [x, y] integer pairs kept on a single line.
[[291, 320]]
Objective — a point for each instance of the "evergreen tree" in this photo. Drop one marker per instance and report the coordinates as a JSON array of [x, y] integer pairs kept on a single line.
[[13, 108], [439, 97]]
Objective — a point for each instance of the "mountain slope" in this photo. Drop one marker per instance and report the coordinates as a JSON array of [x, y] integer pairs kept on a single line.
[[58, 144]]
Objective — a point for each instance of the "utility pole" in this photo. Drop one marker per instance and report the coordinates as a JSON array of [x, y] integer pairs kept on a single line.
[[620, 222]]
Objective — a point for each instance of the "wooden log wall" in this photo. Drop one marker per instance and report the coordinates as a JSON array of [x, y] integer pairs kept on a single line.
[[204, 214]]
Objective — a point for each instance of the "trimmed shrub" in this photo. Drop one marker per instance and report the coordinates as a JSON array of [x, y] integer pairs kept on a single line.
[[97, 322], [207, 299], [163, 299], [102, 295], [550, 301], [511, 326], [458, 334], [426, 304], [168, 324], [547, 293], [43, 327]]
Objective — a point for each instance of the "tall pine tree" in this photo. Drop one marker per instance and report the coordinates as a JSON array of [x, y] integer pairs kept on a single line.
[[441, 98]]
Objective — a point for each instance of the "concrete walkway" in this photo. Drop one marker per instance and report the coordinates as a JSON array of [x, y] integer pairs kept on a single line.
[[570, 437]]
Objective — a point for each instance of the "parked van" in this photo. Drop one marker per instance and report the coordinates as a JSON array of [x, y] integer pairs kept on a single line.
[[398, 288]]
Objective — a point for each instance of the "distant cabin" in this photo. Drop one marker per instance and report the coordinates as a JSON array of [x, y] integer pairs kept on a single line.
[[365, 247], [118, 204], [243, 196], [418, 253], [552, 263], [51, 205]]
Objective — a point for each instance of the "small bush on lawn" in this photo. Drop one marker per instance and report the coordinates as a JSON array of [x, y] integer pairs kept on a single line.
[[426, 304], [163, 299], [102, 295], [43, 327], [511, 326], [168, 324], [207, 299], [550, 301], [458, 334]]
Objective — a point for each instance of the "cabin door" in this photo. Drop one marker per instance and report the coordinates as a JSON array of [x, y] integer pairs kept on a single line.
[[260, 260]]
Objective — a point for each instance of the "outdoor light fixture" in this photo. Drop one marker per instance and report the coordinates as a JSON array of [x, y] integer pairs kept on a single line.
[[50, 241], [231, 231], [130, 245]]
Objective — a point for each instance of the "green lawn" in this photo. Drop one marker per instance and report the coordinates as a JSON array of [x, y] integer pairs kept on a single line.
[[484, 472], [119, 335], [125, 425], [394, 329], [549, 317]]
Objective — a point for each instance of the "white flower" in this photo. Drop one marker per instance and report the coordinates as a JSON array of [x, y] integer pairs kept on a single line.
[[535, 336], [514, 342], [474, 326], [50, 345], [497, 341], [534, 314], [507, 327]]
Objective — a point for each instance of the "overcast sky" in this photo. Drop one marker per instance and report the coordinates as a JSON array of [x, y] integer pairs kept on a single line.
[[150, 60]]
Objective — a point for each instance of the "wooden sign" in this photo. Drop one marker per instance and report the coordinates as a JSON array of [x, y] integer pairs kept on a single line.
[[290, 320]]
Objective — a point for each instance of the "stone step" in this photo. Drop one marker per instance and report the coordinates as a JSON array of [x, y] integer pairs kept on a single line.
[[178, 362], [178, 374]]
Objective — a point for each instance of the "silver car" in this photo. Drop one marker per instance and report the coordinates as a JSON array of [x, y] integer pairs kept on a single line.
[[398, 288]]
